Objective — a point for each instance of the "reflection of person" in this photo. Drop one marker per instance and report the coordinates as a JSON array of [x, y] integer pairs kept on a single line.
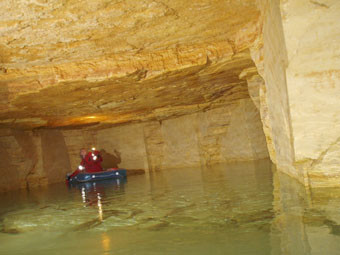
[[90, 162], [93, 193]]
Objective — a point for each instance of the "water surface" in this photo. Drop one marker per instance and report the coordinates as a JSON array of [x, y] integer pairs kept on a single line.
[[239, 208]]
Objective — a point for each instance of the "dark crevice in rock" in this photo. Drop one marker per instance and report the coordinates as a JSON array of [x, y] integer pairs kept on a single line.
[[319, 4]]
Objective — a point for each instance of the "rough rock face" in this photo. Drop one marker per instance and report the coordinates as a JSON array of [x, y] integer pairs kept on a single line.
[[225, 134], [68, 63], [220, 135], [313, 82], [19, 158], [298, 61], [271, 62], [172, 67], [170, 83]]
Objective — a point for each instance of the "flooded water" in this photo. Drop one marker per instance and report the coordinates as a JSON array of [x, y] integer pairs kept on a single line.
[[240, 208]]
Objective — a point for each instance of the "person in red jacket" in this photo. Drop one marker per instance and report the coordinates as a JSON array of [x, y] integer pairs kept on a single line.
[[90, 162]]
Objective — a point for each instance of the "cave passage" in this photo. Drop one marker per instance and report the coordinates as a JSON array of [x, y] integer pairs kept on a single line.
[[229, 109]]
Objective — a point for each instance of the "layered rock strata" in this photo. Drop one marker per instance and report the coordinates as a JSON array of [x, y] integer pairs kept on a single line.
[[233, 133], [296, 55], [112, 62], [170, 83]]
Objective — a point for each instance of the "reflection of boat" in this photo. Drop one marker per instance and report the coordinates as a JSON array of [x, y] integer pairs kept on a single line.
[[94, 192], [98, 176], [116, 184]]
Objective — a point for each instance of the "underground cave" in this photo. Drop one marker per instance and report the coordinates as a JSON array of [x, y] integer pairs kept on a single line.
[[225, 115]]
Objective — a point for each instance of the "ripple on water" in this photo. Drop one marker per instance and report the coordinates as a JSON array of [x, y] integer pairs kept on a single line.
[[226, 209]]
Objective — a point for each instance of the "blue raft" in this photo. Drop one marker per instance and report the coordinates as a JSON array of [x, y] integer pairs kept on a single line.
[[98, 176]]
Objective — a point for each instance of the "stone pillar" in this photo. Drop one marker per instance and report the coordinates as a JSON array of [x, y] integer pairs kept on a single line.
[[276, 95], [301, 69], [312, 36], [56, 161], [20, 160]]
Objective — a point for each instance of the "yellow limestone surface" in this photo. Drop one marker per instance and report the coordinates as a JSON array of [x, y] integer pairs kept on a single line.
[[297, 57], [69, 63]]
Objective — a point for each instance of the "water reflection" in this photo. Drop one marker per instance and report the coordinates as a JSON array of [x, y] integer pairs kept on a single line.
[[236, 208], [92, 193], [106, 243], [306, 222]]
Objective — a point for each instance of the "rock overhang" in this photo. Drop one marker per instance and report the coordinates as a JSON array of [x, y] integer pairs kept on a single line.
[[182, 57]]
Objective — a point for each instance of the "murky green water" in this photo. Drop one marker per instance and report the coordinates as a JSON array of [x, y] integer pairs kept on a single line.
[[238, 208]]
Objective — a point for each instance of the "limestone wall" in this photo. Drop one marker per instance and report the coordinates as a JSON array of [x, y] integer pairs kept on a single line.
[[128, 141], [180, 141], [17, 159], [29, 159], [275, 96], [76, 140], [299, 103], [231, 133], [55, 157], [312, 36]]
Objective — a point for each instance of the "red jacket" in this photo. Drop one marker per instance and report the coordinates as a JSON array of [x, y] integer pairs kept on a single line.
[[92, 162], [91, 165]]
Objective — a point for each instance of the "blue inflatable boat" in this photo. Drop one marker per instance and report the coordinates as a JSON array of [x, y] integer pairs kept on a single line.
[[98, 176]]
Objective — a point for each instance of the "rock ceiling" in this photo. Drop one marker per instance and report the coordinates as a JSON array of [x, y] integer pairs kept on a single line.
[[68, 63]]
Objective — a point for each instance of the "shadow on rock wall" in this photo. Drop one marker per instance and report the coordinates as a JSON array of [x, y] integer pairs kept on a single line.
[[110, 160]]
